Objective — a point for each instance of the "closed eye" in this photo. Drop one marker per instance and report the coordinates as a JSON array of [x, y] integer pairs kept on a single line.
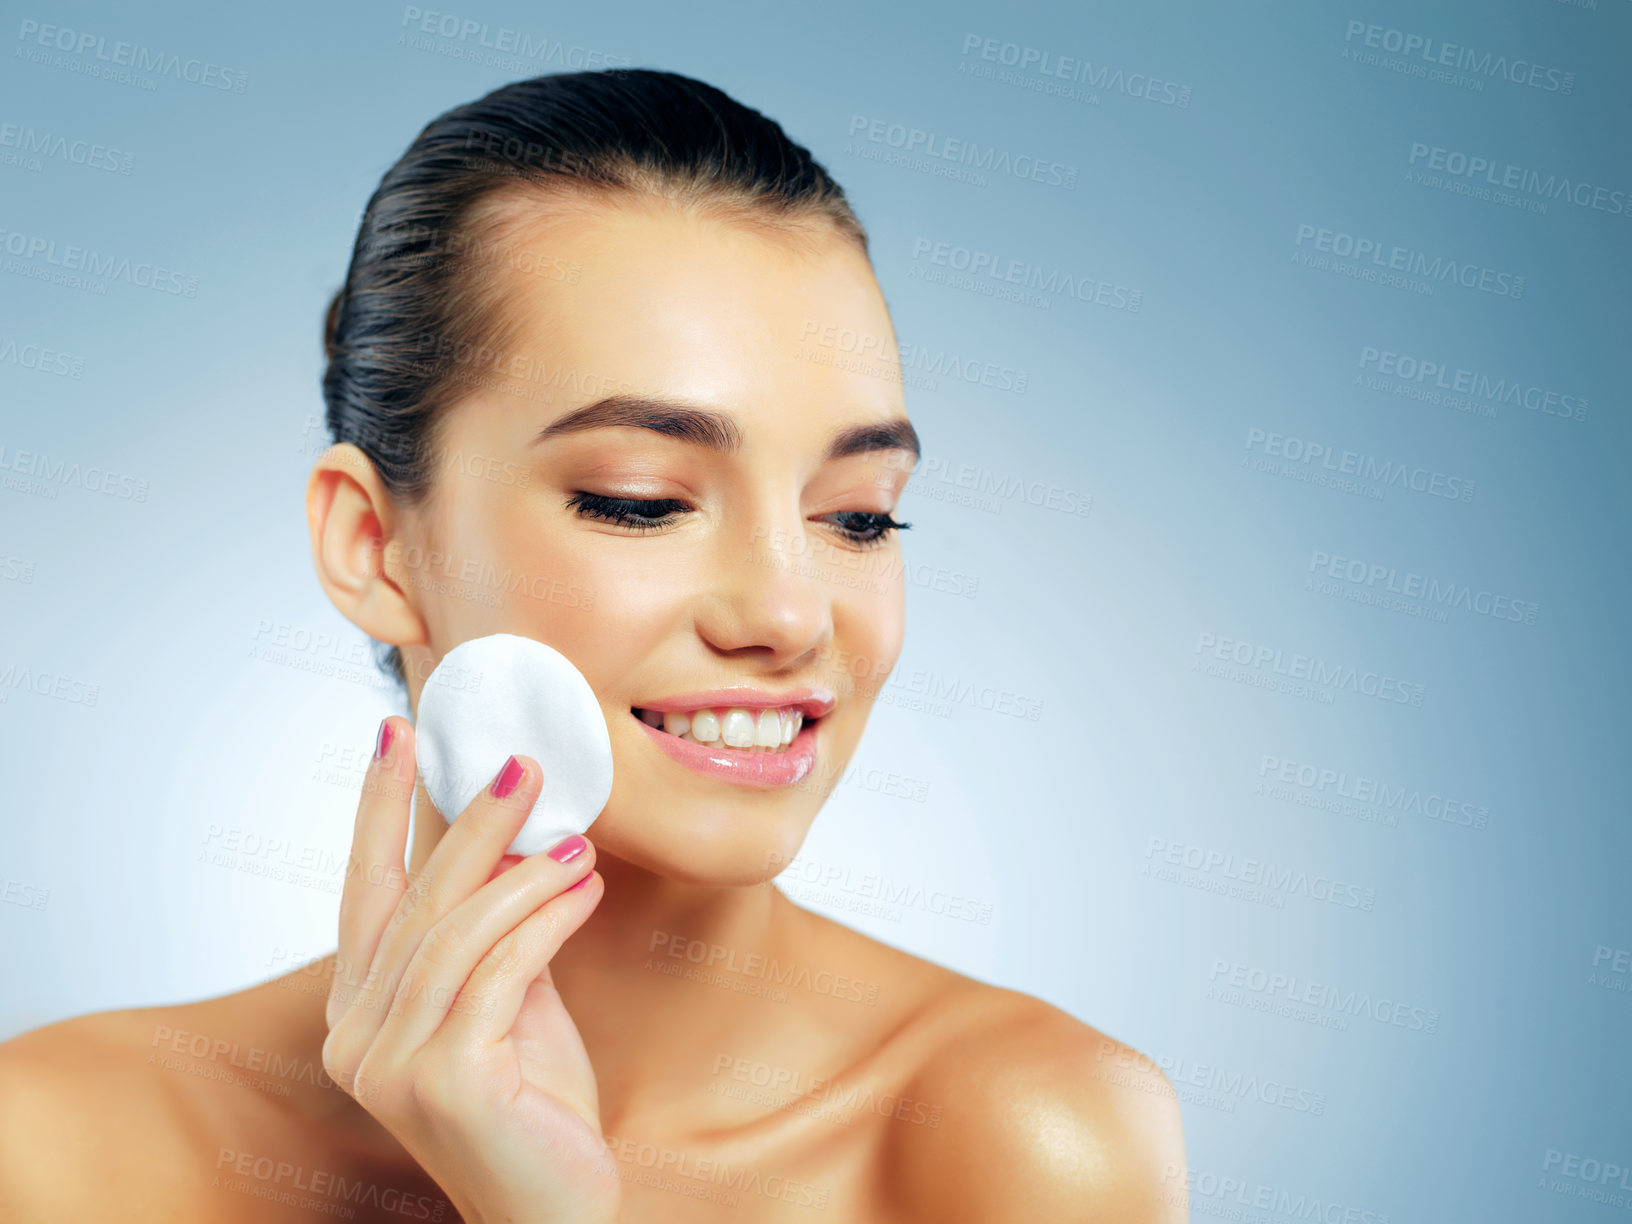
[[867, 528], [864, 528], [642, 515]]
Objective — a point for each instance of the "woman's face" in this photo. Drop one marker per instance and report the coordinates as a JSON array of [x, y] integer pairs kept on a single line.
[[754, 574]]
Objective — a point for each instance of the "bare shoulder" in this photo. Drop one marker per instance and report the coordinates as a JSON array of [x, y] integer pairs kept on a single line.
[[89, 1123], [1041, 1117]]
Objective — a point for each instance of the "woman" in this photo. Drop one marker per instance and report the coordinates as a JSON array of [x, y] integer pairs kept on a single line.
[[576, 390]]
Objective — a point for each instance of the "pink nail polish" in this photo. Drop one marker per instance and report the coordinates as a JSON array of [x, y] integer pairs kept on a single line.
[[582, 882], [566, 851], [509, 778], [382, 742]]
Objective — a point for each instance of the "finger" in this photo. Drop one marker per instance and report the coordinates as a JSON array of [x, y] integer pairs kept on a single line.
[[467, 935], [487, 1007], [461, 863], [504, 864], [375, 877]]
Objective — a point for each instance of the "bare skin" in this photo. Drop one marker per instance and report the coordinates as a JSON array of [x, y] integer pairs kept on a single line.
[[870, 1085]]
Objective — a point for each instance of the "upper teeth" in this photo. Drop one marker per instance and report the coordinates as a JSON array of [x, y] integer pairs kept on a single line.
[[735, 726]]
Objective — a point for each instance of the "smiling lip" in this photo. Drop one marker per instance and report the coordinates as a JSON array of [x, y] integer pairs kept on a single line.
[[746, 768], [812, 702]]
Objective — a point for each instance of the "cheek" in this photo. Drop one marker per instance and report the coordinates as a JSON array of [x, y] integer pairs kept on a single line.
[[869, 627], [606, 603], [509, 564], [461, 575]]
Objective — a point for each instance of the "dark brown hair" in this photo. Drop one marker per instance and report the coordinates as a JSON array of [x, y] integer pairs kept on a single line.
[[427, 269]]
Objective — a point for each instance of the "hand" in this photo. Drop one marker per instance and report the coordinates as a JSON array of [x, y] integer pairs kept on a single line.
[[442, 1002]]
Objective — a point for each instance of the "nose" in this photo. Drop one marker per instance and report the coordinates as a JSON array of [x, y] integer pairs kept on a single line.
[[769, 596]]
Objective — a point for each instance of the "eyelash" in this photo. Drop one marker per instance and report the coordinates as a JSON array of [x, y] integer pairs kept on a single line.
[[636, 514]]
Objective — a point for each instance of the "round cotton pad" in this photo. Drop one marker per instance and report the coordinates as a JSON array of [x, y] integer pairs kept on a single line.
[[502, 694]]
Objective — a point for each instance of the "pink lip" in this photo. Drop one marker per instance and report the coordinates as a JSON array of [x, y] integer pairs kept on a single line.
[[737, 765], [812, 702]]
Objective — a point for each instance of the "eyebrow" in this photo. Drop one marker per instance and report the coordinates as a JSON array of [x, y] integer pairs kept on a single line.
[[719, 431]]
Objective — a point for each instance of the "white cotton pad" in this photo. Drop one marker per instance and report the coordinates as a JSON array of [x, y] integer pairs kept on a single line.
[[502, 694]]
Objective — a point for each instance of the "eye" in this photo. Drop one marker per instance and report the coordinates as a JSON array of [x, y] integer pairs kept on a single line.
[[866, 528], [626, 511]]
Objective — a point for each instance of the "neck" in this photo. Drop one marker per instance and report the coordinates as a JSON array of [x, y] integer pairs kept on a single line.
[[661, 981]]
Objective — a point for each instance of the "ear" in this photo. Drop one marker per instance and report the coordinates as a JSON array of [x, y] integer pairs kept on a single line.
[[352, 519]]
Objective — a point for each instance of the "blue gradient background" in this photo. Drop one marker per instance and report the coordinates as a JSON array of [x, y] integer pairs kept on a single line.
[[113, 810]]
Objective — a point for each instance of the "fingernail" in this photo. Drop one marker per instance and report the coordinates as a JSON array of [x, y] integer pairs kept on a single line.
[[509, 778], [582, 882], [571, 848], [382, 742]]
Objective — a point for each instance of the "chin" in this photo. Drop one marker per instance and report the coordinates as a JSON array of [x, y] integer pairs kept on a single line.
[[700, 825], [710, 846]]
